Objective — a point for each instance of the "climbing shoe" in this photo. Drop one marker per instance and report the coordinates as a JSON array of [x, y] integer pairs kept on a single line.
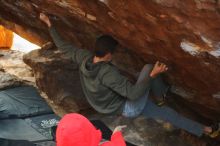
[[162, 101], [215, 130], [159, 101]]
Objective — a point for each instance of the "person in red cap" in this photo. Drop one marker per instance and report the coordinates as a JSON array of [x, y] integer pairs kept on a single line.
[[76, 130]]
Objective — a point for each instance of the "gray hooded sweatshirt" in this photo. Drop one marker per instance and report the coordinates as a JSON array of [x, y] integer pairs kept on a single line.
[[105, 88]]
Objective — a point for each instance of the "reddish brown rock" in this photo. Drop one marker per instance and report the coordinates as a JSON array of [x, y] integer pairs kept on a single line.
[[183, 34], [58, 77]]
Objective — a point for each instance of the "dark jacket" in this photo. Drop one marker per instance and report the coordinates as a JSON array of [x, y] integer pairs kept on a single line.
[[104, 87]]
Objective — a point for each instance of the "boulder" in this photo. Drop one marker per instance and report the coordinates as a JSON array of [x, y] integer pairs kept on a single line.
[[12, 63], [9, 81], [58, 77], [183, 34]]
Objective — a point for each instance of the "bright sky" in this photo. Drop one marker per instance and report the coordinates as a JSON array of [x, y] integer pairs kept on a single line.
[[23, 45]]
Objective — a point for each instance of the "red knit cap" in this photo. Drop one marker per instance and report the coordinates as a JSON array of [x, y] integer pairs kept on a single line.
[[76, 130]]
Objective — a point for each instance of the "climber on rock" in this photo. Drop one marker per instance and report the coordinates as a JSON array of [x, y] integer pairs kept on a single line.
[[108, 92]]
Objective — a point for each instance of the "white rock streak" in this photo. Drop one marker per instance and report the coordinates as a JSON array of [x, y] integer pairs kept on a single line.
[[194, 49], [190, 47]]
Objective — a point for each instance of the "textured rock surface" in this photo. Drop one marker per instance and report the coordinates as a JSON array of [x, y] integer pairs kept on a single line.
[[12, 63], [58, 77], [183, 34], [148, 132], [8, 81]]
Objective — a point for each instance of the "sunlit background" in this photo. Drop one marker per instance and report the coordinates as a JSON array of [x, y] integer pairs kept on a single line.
[[22, 45]]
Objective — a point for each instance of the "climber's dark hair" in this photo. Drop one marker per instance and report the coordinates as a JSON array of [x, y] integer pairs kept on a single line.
[[105, 44]]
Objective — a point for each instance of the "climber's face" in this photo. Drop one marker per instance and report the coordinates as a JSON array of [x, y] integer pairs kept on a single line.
[[108, 57]]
